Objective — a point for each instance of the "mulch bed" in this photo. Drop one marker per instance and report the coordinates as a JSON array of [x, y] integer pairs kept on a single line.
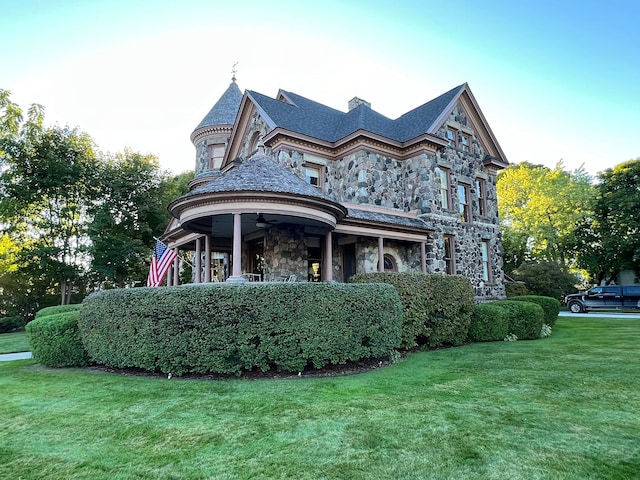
[[349, 368]]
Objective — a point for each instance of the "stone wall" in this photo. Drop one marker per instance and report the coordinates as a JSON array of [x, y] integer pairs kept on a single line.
[[369, 178]]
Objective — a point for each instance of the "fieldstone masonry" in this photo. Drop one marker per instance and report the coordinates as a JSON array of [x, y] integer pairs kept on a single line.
[[369, 178]]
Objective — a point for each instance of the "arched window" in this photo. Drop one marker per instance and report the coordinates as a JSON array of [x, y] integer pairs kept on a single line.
[[390, 263]]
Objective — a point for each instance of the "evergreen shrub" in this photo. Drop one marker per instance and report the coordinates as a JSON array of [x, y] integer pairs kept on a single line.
[[43, 312], [551, 306], [525, 318], [230, 328], [11, 324], [515, 289], [436, 308], [489, 323], [55, 340]]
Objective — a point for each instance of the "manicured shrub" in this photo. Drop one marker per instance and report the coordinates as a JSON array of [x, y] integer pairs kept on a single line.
[[57, 309], [436, 308], [55, 340], [525, 318], [515, 289], [489, 323], [11, 324], [223, 328], [551, 306]]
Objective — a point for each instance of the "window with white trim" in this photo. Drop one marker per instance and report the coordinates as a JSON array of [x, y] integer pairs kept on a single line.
[[486, 260], [443, 177]]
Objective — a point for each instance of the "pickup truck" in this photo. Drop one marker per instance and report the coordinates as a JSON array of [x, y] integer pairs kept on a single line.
[[609, 297]]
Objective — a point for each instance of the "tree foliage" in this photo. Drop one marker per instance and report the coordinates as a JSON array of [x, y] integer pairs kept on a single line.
[[609, 241], [48, 185], [539, 209], [130, 211], [72, 218]]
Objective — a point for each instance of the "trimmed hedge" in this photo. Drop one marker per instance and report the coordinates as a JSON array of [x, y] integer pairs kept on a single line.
[[223, 328], [57, 309], [55, 340], [550, 305], [11, 324], [525, 318], [489, 323], [437, 309]]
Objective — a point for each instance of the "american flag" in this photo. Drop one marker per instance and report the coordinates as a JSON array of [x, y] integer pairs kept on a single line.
[[162, 259]]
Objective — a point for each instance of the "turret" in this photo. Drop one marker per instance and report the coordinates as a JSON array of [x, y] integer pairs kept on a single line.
[[211, 135]]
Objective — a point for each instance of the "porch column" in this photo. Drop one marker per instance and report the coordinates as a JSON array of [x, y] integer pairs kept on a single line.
[[380, 254], [423, 256], [197, 277], [176, 269], [236, 269], [328, 258], [170, 275], [207, 259]]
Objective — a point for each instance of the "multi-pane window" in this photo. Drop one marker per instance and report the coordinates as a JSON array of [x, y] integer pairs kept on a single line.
[[443, 176], [463, 203], [451, 138], [465, 142], [449, 255], [486, 270], [481, 196], [312, 175], [215, 153]]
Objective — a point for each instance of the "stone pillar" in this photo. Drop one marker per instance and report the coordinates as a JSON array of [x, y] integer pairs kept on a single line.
[[236, 269], [380, 254], [207, 259], [176, 269], [328, 258], [423, 256], [197, 275]]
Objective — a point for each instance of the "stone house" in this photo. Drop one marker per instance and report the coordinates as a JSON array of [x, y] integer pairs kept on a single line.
[[288, 188]]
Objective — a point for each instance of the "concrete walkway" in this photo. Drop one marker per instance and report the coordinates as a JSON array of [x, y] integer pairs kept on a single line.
[[15, 356]]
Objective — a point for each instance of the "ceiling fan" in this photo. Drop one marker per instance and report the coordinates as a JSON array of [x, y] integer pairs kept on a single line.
[[261, 222]]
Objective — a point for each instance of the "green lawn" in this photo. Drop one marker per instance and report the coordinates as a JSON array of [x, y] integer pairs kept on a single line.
[[14, 342], [566, 407]]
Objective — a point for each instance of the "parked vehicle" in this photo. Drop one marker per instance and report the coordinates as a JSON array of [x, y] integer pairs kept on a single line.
[[609, 297]]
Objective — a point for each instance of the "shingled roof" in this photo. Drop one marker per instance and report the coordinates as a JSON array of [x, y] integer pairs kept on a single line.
[[301, 115], [260, 174], [225, 110]]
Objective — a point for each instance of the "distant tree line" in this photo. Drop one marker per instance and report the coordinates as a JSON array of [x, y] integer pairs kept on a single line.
[[561, 229], [73, 219]]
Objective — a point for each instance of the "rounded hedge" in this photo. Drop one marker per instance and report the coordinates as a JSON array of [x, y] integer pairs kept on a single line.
[[489, 323], [227, 328], [43, 312], [437, 309], [550, 305], [525, 318], [55, 340]]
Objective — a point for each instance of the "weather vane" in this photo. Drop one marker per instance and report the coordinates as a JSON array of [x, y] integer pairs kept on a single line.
[[233, 72]]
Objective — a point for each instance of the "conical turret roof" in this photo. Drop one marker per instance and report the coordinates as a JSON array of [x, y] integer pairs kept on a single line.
[[225, 110]]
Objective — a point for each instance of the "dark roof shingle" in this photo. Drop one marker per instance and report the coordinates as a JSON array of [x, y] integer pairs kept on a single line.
[[325, 123]]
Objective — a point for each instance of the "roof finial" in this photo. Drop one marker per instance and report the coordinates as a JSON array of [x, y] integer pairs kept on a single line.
[[233, 72]]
